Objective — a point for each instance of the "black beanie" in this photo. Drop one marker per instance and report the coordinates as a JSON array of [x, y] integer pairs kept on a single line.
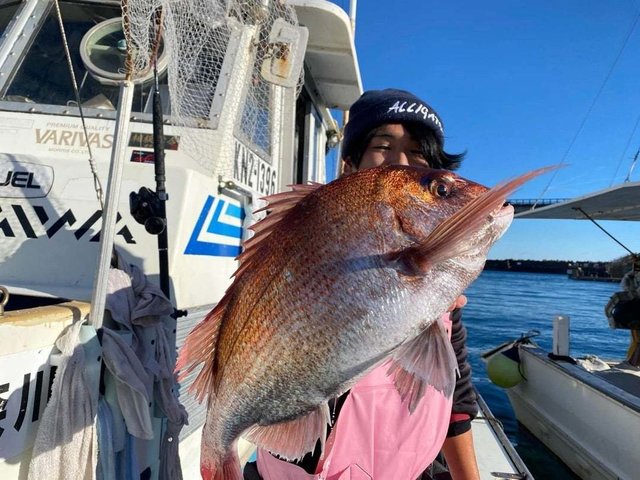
[[377, 107]]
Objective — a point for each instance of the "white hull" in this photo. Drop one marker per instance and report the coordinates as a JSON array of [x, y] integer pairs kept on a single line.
[[591, 424]]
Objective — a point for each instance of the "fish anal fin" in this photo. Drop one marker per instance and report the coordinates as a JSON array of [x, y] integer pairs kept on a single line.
[[293, 439], [221, 468], [428, 359]]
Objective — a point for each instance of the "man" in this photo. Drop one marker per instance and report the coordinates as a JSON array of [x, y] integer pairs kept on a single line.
[[374, 435]]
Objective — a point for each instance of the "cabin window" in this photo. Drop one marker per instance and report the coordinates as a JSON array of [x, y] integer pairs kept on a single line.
[[316, 147], [256, 123], [198, 77], [299, 136], [310, 141], [42, 74]]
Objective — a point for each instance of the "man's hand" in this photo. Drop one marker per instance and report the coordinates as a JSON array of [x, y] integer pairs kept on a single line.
[[460, 302]]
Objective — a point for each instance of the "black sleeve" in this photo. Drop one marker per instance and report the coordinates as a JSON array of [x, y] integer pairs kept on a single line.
[[464, 407]]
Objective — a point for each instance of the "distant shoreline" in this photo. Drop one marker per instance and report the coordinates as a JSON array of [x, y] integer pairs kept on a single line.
[[598, 271], [535, 266]]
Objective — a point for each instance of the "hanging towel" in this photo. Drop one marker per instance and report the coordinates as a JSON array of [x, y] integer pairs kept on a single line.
[[65, 446]]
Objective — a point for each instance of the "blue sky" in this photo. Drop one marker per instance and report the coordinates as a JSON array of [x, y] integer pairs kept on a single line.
[[513, 81]]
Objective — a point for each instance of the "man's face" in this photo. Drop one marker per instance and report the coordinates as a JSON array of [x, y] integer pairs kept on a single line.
[[392, 145]]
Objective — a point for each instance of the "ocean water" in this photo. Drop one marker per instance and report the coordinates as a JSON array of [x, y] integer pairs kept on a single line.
[[502, 305]]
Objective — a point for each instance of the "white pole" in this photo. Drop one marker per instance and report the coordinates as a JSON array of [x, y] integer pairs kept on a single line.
[[110, 212], [561, 335]]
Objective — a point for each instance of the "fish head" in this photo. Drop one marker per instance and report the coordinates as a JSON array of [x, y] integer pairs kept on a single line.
[[450, 217]]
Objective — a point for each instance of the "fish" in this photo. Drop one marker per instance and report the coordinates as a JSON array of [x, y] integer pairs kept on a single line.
[[337, 279]]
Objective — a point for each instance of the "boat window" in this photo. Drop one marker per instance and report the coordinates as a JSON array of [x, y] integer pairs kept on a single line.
[[256, 123], [43, 74], [198, 75], [7, 12], [316, 147], [310, 141], [299, 136]]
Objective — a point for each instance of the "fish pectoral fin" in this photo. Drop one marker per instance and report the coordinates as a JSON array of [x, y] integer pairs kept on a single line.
[[293, 439], [428, 359], [419, 259]]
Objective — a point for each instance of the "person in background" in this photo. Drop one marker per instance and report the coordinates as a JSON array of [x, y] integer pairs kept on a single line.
[[631, 280], [631, 283], [373, 432]]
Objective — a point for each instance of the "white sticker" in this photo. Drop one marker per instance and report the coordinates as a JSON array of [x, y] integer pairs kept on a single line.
[[25, 379]]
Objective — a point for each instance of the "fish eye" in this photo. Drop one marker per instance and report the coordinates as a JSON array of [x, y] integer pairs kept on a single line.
[[439, 187]]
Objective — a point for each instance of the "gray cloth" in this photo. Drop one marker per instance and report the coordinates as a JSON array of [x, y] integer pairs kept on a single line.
[[130, 379], [106, 454], [170, 468], [143, 368]]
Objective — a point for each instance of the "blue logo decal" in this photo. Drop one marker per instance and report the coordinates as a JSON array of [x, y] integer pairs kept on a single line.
[[218, 231]]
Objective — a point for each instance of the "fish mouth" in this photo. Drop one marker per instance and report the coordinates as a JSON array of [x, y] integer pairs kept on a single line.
[[495, 226], [500, 219]]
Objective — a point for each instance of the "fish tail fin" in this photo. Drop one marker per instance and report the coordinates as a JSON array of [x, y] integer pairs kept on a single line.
[[225, 468], [199, 348]]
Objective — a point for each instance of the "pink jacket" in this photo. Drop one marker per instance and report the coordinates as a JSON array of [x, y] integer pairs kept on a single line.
[[375, 437]]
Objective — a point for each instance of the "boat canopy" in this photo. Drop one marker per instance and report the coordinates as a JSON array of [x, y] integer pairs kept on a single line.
[[621, 202], [331, 53]]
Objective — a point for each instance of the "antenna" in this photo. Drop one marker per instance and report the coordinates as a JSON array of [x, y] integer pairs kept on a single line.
[[633, 165]]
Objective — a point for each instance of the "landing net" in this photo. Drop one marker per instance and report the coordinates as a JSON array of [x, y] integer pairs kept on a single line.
[[196, 36]]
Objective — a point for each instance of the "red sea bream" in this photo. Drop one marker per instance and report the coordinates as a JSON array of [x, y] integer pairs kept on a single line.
[[337, 279]]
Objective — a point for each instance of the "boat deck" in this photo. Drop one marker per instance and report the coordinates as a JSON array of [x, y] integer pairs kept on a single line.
[[617, 380], [623, 376]]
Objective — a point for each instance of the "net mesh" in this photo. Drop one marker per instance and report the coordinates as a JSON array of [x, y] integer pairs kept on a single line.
[[196, 35]]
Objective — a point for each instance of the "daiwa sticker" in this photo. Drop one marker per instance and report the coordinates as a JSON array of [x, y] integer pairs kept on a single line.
[[218, 231]]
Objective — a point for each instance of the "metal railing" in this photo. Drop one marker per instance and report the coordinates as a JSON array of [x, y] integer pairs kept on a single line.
[[522, 205]]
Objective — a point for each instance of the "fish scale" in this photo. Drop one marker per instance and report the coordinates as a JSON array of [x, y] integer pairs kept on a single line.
[[339, 278]]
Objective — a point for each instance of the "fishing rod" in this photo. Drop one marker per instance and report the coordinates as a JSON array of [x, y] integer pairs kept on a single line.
[[148, 207], [161, 192]]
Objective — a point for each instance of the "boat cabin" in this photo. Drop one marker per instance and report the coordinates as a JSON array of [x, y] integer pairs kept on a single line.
[[238, 124], [250, 138]]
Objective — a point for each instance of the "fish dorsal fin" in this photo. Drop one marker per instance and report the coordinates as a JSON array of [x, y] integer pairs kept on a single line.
[[199, 348], [447, 239], [428, 359], [293, 439], [278, 206], [200, 345]]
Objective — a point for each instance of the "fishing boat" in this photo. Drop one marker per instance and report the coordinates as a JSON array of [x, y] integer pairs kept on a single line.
[[99, 160], [587, 411]]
